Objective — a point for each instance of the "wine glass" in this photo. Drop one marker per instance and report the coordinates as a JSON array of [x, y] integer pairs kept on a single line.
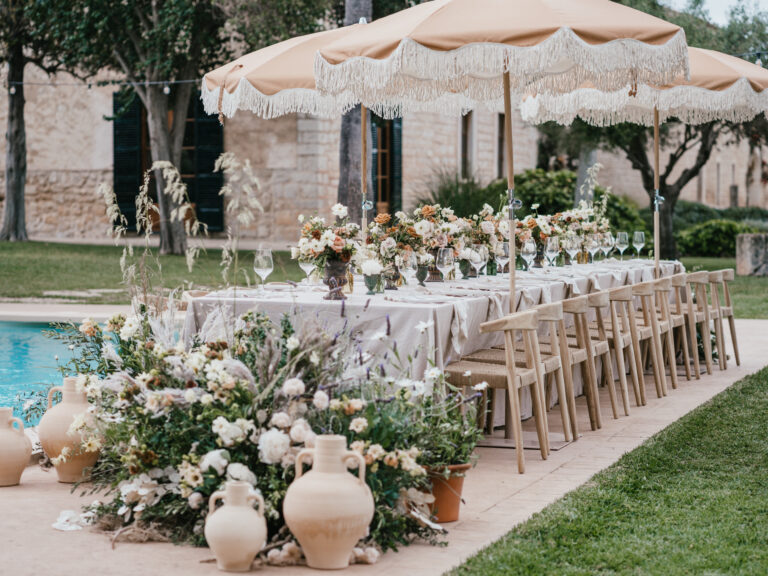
[[606, 244], [638, 241], [479, 258], [528, 252], [409, 265], [552, 249], [573, 247], [502, 256], [622, 242], [444, 261], [592, 244], [263, 265], [307, 266]]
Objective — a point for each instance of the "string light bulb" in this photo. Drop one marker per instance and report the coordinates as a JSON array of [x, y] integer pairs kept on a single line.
[[166, 89], [12, 90]]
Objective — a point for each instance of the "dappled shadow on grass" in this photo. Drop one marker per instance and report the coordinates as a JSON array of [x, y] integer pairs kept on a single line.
[[691, 500]]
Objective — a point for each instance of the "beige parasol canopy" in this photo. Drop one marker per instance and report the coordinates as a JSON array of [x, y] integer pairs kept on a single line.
[[721, 87], [464, 46]]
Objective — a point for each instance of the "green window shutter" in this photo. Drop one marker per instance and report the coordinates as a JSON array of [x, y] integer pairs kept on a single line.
[[126, 142], [209, 144], [397, 165]]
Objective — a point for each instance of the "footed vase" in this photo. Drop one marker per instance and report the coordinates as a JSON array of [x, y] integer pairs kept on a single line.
[[15, 448]]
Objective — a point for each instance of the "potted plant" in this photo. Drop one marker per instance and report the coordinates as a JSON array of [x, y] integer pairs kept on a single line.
[[451, 433]]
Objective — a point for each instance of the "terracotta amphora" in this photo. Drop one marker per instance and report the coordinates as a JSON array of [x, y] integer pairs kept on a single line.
[[54, 432], [235, 532], [328, 509], [15, 448]]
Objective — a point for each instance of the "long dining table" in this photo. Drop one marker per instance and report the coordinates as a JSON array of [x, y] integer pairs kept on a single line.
[[432, 325]]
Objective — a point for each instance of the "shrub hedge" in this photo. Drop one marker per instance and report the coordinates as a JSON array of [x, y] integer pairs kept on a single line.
[[715, 238]]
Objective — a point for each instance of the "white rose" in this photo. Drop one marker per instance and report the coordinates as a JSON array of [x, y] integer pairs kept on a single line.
[[371, 267], [299, 430], [280, 420], [320, 400], [293, 387], [195, 500], [292, 343], [358, 425], [216, 459], [487, 227], [237, 471], [273, 444], [423, 227]]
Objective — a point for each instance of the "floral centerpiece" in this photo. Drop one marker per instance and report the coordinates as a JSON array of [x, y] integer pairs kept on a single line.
[[330, 247]]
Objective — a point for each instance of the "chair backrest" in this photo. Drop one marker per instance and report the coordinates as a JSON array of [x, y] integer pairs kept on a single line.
[[550, 312], [678, 288], [700, 277], [527, 320], [662, 285], [643, 289], [577, 305], [697, 282], [715, 282], [728, 276]]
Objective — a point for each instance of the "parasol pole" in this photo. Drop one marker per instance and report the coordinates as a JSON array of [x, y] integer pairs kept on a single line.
[[364, 171], [513, 203], [657, 198]]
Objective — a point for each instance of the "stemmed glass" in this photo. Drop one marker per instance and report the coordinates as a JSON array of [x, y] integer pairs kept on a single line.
[[263, 265], [638, 241], [622, 242], [592, 245], [552, 249], [479, 258], [606, 244], [502, 256], [444, 261], [409, 266], [573, 247], [528, 252], [307, 266]]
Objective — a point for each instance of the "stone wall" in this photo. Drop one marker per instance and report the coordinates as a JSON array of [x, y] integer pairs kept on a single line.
[[752, 254]]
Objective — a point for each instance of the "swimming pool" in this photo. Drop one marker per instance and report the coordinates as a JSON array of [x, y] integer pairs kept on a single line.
[[27, 361]]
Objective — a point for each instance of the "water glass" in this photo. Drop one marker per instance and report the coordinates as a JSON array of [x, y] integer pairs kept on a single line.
[[638, 241], [263, 265], [606, 243], [622, 242], [409, 265], [479, 258], [592, 244], [502, 256], [528, 253], [552, 249], [573, 247], [444, 261], [307, 266]]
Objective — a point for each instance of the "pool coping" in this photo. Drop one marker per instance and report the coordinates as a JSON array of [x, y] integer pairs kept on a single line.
[[28, 312]]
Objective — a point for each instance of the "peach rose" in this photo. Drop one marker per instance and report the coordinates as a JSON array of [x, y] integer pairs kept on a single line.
[[428, 211], [338, 244], [382, 218]]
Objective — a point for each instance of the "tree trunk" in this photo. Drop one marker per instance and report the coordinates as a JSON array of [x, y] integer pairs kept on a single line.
[[165, 147], [587, 158], [350, 143], [668, 246], [14, 226]]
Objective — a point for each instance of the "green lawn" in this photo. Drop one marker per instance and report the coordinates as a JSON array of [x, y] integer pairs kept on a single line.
[[692, 500], [29, 269], [750, 293]]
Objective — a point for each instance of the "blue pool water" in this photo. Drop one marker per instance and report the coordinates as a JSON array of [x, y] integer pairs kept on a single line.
[[27, 361]]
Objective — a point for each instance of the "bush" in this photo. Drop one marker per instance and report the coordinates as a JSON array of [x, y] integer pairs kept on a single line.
[[742, 213], [622, 212], [464, 196], [716, 238], [551, 190]]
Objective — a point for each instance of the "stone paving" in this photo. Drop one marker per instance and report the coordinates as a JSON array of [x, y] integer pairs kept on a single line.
[[497, 498]]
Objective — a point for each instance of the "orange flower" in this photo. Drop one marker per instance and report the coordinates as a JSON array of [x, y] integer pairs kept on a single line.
[[412, 232], [338, 244], [316, 234], [428, 211], [382, 218], [532, 223]]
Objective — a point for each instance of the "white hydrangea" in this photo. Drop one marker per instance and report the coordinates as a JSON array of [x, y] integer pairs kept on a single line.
[[280, 420], [216, 459], [273, 444], [371, 267], [237, 471], [299, 430], [320, 400]]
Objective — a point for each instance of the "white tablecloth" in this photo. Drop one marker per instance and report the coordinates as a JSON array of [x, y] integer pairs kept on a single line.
[[440, 321]]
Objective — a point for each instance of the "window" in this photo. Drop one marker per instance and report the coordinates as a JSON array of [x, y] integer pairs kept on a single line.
[[203, 143], [466, 146], [501, 164], [387, 166]]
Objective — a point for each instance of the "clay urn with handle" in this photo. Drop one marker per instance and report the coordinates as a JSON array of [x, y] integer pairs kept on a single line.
[[60, 444], [328, 509], [15, 448], [235, 531]]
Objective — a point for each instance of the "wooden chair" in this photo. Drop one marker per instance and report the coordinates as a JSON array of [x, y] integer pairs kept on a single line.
[[647, 332], [716, 312], [554, 349], [699, 315], [679, 319], [598, 301], [511, 377], [726, 310], [663, 289]]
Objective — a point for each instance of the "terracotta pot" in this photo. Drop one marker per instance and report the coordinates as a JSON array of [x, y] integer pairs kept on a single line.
[[235, 532], [447, 492], [54, 432], [328, 509], [15, 448]]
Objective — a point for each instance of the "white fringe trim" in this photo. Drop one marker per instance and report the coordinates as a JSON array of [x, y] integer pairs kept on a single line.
[[296, 100], [561, 63], [690, 104]]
